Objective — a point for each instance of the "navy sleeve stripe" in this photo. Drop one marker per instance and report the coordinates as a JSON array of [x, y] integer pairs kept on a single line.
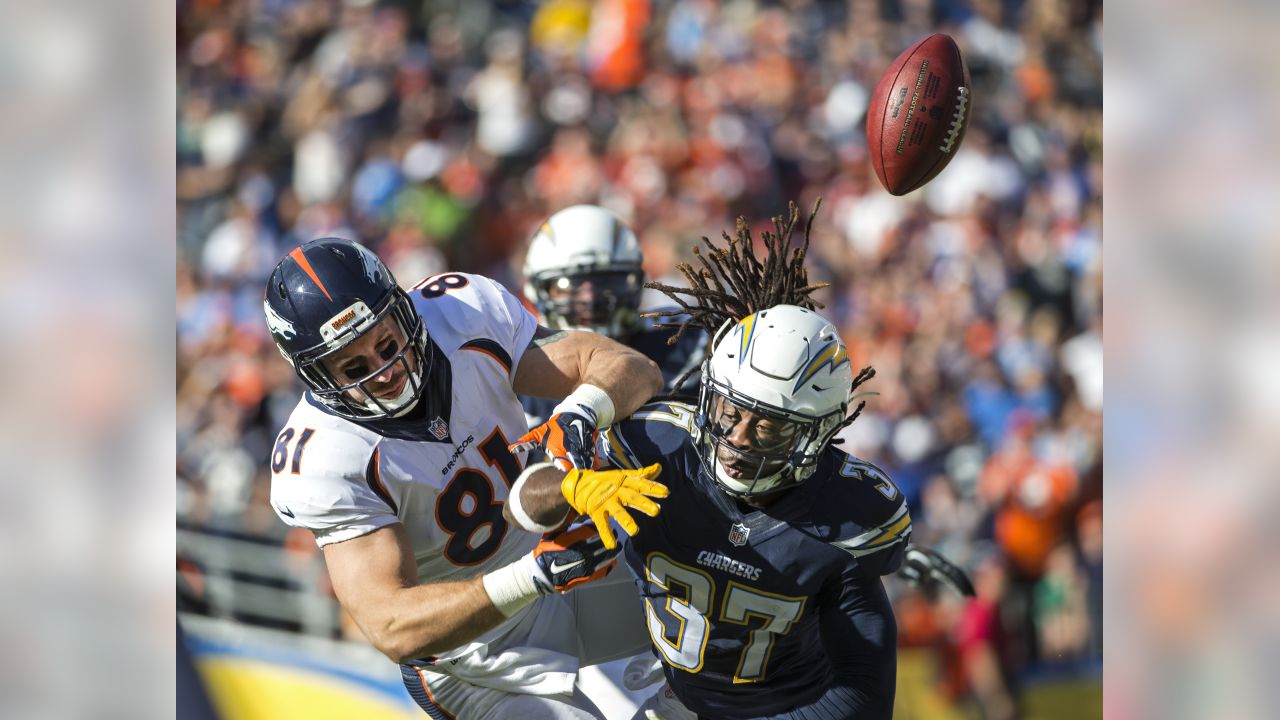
[[374, 479], [492, 349]]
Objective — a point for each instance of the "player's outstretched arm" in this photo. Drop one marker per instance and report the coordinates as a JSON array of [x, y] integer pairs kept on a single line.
[[597, 380], [558, 363], [375, 579]]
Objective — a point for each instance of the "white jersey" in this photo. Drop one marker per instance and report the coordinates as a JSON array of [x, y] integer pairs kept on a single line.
[[443, 471]]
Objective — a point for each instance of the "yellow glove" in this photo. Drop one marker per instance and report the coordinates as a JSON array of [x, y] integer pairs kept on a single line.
[[605, 494]]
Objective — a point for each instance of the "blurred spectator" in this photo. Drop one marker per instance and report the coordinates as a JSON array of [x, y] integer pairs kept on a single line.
[[979, 637]]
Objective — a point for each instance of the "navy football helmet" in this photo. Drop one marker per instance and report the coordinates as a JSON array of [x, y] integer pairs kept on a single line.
[[323, 296]]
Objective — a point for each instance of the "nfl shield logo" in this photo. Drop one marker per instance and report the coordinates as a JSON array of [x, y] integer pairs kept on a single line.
[[439, 428], [738, 534]]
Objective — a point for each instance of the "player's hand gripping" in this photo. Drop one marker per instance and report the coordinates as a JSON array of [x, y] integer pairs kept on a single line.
[[606, 494], [926, 567], [568, 439], [571, 558]]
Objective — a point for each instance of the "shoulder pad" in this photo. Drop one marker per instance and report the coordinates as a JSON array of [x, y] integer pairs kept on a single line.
[[651, 433], [883, 518], [473, 312], [336, 492]]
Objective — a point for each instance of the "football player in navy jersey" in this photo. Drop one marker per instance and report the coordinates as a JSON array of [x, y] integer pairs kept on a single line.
[[583, 272], [761, 577]]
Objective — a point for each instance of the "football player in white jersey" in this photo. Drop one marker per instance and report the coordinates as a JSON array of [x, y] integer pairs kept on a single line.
[[399, 459], [583, 271]]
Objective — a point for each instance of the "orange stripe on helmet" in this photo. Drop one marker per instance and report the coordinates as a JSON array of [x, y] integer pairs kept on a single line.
[[305, 264]]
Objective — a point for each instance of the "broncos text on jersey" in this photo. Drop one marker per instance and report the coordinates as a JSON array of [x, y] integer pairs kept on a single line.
[[757, 612]]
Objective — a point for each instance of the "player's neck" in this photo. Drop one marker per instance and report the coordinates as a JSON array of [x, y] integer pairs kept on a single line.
[[760, 502]]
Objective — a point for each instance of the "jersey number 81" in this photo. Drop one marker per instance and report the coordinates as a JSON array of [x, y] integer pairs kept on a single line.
[[467, 504]]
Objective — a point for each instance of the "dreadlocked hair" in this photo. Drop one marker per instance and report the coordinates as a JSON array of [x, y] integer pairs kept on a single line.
[[733, 283]]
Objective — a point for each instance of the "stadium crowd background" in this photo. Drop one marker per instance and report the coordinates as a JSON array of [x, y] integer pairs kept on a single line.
[[441, 133]]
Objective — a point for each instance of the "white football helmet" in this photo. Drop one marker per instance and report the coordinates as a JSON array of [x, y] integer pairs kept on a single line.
[[582, 272], [774, 392]]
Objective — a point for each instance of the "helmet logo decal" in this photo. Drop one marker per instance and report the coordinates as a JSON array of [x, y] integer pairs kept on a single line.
[[277, 323], [738, 534], [343, 319], [833, 354], [748, 325], [358, 315], [305, 264], [371, 265]]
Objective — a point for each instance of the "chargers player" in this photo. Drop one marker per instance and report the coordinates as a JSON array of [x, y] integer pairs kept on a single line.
[[583, 271], [761, 576], [397, 459]]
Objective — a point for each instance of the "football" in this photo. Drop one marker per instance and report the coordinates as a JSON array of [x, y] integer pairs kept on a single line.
[[918, 114]]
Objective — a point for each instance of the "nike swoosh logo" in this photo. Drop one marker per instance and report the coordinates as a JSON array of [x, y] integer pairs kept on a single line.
[[286, 511], [557, 568]]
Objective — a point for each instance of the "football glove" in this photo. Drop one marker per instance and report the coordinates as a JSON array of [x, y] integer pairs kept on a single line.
[[567, 438], [926, 568], [606, 494], [571, 558]]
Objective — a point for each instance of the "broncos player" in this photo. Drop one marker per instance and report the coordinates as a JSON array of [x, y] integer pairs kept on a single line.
[[761, 577], [583, 272], [397, 459]]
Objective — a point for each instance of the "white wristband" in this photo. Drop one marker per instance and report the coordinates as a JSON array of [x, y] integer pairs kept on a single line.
[[511, 588], [593, 398], [517, 509]]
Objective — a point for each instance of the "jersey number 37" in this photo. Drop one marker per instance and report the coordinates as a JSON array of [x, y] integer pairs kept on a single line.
[[681, 626]]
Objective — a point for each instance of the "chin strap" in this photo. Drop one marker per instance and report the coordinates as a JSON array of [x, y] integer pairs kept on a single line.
[[728, 483]]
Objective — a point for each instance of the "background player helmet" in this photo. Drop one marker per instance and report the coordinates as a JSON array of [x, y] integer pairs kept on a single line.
[[324, 295], [591, 258], [786, 364]]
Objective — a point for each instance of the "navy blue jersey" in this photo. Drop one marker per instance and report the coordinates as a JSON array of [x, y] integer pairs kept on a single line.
[[673, 360], [774, 612]]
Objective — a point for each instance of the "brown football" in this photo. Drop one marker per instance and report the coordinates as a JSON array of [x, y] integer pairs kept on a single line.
[[918, 114]]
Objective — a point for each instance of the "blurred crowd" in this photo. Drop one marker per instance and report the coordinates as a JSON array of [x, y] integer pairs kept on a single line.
[[441, 133]]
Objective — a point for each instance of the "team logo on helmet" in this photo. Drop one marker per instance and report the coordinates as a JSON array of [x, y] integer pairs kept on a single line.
[[738, 534], [277, 324]]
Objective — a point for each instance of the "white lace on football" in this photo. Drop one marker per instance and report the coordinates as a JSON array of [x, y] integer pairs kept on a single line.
[[957, 121]]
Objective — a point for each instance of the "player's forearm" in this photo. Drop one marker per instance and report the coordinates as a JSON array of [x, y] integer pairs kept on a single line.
[[558, 365], [628, 377], [433, 619]]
